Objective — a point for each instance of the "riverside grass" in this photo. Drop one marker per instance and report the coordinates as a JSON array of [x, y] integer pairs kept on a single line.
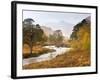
[[74, 58]]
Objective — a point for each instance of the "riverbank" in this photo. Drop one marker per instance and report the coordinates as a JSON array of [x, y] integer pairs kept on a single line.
[[36, 51], [47, 56], [76, 58]]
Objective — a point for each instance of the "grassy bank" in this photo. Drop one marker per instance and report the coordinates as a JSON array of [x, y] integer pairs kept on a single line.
[[76, 58], [36, 51]]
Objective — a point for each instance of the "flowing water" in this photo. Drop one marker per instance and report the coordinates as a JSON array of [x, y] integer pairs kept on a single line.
[[46, 56]]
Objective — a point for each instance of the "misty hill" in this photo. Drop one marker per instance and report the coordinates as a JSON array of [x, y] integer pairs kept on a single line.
[[48, 31], [58, 33], [65, 27]]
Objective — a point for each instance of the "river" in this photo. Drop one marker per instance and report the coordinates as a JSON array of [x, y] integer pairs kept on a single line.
[[46, 56]]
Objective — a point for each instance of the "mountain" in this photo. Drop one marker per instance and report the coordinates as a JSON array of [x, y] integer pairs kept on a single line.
[[65, 27], [48, 31], [58, 33]]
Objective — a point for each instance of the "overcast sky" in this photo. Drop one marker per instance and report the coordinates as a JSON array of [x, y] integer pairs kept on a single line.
[[56, 20]]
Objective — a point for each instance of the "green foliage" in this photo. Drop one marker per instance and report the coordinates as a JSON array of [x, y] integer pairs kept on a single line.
[[52, 38], [80, 37], [55, 39], [33, 34], [59, 38]]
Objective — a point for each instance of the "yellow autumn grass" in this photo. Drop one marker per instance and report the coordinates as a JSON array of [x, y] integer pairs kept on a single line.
[[76, 58], [36, 51]]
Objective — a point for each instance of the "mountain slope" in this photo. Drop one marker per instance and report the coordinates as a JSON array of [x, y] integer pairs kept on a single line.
[[80, 37], [48, 31]]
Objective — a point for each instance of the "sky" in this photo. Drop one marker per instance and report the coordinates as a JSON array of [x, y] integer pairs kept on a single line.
[[63, 21]]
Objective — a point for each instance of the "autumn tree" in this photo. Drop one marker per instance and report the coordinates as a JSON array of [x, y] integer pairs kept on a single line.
[[80, 37], [32, 34]]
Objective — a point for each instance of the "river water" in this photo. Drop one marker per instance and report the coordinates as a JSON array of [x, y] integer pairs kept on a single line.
[[46, 56]]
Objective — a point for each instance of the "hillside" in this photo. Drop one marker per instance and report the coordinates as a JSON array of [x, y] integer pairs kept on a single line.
[[48, 31], [80, 37]]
